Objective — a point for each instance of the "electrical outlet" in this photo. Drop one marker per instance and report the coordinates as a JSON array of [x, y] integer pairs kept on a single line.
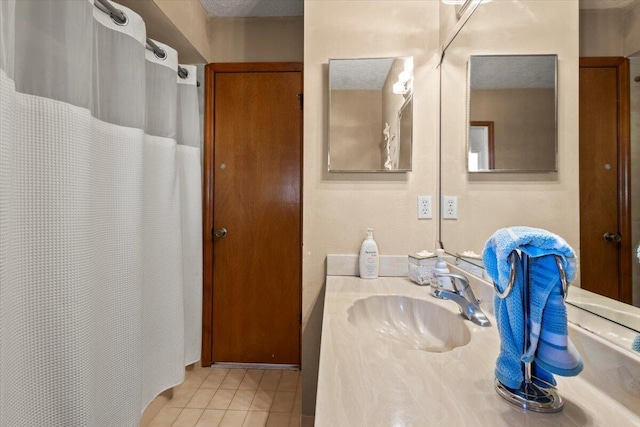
[[449, 207], [424, 207]]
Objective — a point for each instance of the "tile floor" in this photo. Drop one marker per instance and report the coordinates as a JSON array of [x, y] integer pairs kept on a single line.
[[222, 397]]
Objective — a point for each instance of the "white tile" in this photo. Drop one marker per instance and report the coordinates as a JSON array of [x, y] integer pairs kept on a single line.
[[233, 379], [289, 381], [256, 419], [270, 380], [347, 265], [233, 419], [165, 417], [251, 379], [242, 400], [187, 418], [211, 418], [262, 400], [283, 401], [215, 378], [201, 398], [181, 396], [278, 419], [221, 399]]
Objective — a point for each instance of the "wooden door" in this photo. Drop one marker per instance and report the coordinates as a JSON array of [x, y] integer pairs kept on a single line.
[[254, 152], [605, 266]]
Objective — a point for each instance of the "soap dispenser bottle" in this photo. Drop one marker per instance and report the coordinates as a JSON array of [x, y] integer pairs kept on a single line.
[[441, 267], [369, 262]]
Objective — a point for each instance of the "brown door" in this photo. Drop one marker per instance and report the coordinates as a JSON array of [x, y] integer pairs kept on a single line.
[[255, 129], [605, 229]]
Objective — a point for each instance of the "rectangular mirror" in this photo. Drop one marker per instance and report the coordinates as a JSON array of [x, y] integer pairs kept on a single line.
[[587, 43], [512, 113], [370, 114]]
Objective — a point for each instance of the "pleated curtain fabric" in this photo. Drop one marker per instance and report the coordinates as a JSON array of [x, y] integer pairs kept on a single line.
[[190, 171], [100, 217]]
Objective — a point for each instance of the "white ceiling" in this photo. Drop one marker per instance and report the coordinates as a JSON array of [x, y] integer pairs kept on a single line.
[[513, 72], [358, 74], [253, 8]]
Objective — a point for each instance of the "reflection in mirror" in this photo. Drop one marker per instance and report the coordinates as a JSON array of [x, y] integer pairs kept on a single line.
[[482, 151], [370, 114], [622, 314], [549, 201], [513, 97]]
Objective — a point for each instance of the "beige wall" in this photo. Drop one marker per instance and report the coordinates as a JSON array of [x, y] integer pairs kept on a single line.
[[524, 126], [191, 19], [256, 39], [338, 208], [610, 32], [487, 202], [631, 41], [356, 129], [199, 38], [601, 32], [168, 24]]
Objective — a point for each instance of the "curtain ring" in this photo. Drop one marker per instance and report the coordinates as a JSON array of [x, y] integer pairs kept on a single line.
[[116, 15], [160, 53], [121, 20]]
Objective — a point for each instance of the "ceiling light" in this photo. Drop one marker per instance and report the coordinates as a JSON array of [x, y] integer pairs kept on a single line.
[[398, 88]]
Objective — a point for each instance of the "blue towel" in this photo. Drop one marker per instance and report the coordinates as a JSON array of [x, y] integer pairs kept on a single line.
[[549, 344]]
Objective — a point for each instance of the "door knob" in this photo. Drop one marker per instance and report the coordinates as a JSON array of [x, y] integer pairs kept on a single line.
[[220, 233], [612, 238]]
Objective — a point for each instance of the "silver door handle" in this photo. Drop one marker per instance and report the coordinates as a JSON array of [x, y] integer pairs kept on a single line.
[[220, 233], [612, 238]]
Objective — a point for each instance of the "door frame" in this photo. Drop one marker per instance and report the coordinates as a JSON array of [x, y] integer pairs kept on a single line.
[[208, 188], [624, 166]]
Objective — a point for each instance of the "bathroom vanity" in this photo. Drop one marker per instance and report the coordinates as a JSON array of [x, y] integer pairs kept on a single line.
[[393, 355]]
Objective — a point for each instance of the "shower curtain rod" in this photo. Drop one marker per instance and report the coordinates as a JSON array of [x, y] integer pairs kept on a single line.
[[120, 18]]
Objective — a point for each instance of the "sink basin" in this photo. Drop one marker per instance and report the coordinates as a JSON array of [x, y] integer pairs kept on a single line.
[[414, 323]]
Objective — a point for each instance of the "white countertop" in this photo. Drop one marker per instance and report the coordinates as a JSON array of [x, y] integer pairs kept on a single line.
[[367, 380]]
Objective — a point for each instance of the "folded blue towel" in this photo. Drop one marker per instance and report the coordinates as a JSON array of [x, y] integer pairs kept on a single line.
[[549, 344]]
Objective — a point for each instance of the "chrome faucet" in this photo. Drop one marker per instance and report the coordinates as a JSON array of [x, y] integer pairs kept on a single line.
[[461, 295]]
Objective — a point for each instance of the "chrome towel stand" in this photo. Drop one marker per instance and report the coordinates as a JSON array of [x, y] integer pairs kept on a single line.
[[530, 395]]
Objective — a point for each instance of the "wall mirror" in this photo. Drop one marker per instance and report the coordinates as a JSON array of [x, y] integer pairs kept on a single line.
[[512, 113], [370, 114], [487, 202]]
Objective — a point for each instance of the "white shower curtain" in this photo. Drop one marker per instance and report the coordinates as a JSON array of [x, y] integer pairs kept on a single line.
[[100, 217]]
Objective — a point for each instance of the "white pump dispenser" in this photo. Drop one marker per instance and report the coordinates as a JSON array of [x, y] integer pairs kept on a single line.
[[441, 267], [369, 262]]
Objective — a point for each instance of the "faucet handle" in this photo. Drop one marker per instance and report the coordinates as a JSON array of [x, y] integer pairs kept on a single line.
[[465, 290], [461, 278], [455, 276]]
